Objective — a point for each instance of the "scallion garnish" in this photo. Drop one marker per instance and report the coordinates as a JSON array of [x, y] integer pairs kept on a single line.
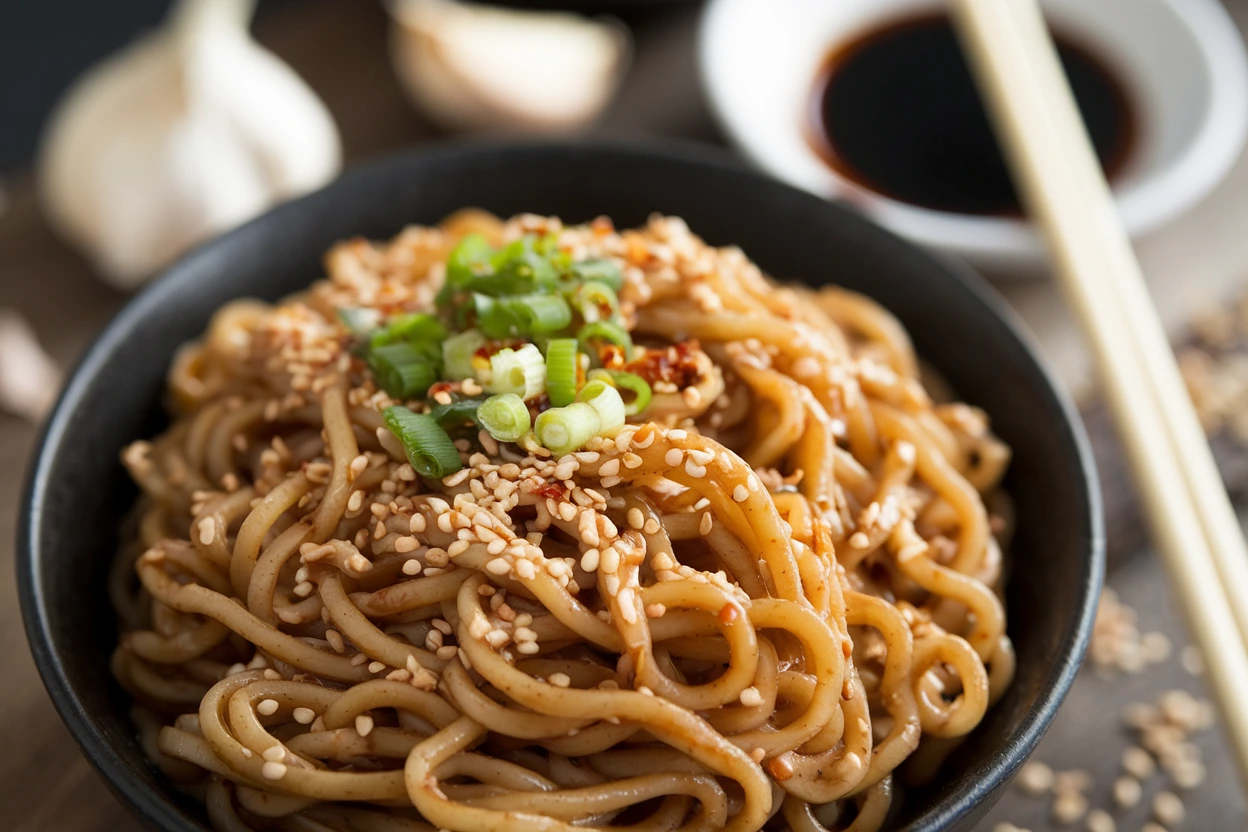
[[468, 259], [596, 301], [505, 416], [561, 356], [360, 321], [428, 446], [403, 370], [606, 402], [521, 371], [627, 383], [564, 429], [522, 316], [604, 331], [457, 414], [602, 271], [457, 354], [420, 329]]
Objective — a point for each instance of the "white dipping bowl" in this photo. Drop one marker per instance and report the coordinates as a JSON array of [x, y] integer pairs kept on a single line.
[[1182, 63]]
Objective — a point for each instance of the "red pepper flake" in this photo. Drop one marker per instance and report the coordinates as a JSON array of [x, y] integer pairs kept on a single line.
[[728, 613], [677, 364], [779, 769], [440, 387], [552, 491]]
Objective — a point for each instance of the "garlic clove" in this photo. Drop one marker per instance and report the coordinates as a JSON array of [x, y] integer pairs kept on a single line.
[[29, 378], [479, 68], [186, 133]]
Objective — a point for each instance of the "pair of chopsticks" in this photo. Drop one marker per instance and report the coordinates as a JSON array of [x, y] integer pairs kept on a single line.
[[1194, 526]]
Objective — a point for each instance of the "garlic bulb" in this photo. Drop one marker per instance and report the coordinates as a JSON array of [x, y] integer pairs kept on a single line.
[[480, 68], [29, 378], [186, 133]]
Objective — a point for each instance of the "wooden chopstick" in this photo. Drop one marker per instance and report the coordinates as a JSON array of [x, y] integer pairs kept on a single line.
[[1061, 184]]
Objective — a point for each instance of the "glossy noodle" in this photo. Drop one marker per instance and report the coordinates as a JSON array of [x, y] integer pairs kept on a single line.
[[745, 608]]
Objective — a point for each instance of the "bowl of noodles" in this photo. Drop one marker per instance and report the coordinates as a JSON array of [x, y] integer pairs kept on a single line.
[[553, 486]]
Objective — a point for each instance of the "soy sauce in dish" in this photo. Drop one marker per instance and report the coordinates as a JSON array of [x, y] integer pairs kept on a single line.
[[897, 112]]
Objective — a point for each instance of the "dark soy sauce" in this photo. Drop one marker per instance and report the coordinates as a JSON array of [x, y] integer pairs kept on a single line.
[[897, 112]]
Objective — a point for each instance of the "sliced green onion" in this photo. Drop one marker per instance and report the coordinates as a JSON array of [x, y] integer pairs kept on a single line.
[[542, 313], [604, 331], [561, 354], [524, 262], [519, 317], [564, 429], [602, 271], [403, 370], [468, 259], [505, 417], [360, 321], [596, 301], [631, 382], [457, 353], [428, 446], [419, 328], [606, 402], [521, 371], [457, 414]]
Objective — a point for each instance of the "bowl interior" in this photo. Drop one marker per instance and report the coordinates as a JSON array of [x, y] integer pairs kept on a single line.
[[78, 491]]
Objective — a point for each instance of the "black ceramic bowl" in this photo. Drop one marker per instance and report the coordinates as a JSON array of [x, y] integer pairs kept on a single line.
[[78, 492]]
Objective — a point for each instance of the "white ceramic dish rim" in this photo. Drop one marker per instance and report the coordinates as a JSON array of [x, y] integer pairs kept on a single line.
[[1147, 204]]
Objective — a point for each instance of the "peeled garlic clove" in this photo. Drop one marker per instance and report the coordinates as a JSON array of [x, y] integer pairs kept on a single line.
[[475, 67], [186, 133], [29, 378]]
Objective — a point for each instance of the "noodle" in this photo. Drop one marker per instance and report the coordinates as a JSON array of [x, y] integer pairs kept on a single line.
[[743, 609]]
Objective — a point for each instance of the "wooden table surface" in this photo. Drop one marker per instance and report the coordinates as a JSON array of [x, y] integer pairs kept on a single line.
[[339, 47]]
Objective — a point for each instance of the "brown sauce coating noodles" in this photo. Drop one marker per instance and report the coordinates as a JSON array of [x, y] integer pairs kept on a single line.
[[746, 611]]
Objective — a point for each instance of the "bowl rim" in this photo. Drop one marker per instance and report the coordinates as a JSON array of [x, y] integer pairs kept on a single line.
[[159, 810]]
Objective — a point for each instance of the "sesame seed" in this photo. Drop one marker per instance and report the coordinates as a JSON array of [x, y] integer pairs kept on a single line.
[[273, 771], [417, 524], [496, 546], [651, 526], [412, 567], [1068, 807], [525, 569], [358, 659], [1035, 778], [528, 648], [1127, 792], [276, 753], [363, 725], [358, 465], [267, 707], [403, 545], [740, 493], [589, 560], [636, 519], [695, 470], [304, 716], [758, 755], [456, 549], [677, 435], [751, 698], [674, 457], [705, 526], [610, 468], [608, 560], [1138, 763], [655, 611], [1168, 809], [1100, 821], [498, 566], [207, 531], [447, 652], [560, 680], [376, 667]]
